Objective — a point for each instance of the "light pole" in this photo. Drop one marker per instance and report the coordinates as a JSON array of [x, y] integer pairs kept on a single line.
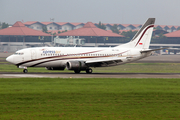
[[52, 19]]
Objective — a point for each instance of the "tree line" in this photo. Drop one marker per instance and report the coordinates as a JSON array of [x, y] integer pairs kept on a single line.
[[4, 25]]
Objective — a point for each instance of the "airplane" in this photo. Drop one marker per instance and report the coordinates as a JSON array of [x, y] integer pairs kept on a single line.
[[84, 58]]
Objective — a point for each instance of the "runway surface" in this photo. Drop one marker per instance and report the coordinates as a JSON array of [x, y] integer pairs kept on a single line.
[[94, 75]]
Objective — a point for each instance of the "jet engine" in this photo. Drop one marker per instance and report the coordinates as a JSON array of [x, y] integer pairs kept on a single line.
[[76, 65]]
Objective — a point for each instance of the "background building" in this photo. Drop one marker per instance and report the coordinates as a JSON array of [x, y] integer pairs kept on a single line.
[[71, 26]]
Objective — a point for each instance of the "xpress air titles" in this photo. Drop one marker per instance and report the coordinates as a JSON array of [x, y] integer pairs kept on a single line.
[[51, 52]]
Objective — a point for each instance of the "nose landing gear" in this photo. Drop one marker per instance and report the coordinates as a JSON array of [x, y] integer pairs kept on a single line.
[[23, 67]]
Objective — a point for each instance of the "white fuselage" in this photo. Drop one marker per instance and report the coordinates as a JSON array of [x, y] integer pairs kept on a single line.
[[58, 56]]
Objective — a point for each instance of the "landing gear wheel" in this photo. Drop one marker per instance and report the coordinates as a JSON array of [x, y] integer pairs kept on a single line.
[[25, 71], [89, 71], [77, 71]]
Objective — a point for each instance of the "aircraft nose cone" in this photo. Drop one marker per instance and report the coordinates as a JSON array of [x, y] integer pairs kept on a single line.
[[10, 59]]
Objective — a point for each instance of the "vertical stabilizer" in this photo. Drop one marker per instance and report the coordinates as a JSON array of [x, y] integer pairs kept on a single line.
[[143, 37]]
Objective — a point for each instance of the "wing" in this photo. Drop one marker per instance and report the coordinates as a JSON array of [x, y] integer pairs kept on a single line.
[[105, 61]]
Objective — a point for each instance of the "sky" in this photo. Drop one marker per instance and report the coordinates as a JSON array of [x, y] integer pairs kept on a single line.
[[166, 12]]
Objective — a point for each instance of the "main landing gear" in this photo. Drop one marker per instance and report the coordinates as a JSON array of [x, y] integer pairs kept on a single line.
[[88, 71], [25, 71]]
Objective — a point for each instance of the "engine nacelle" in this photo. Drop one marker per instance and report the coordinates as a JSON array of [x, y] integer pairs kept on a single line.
[[55, 68], [76, 65]]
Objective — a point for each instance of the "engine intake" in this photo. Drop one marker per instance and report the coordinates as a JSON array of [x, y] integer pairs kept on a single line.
[[76, 65]]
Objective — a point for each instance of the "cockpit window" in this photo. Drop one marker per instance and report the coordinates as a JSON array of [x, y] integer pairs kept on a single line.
[[17, 53]]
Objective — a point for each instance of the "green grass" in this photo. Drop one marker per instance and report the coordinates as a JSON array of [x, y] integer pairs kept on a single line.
[[127, 68], [93, 98]]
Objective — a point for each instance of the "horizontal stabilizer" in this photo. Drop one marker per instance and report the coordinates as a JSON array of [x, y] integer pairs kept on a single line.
[[150, 50]]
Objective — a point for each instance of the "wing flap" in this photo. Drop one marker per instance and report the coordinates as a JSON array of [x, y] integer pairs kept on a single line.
[[106, 60]]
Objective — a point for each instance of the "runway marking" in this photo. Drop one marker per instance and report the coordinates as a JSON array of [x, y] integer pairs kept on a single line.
[[22, 75], [96, 75]]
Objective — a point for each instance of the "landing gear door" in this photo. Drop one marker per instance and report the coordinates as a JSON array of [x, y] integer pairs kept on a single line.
[[33, 54]]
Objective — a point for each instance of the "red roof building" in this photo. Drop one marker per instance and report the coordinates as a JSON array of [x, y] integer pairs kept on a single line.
[[56, 31], [76, 24], [89, 29], [121, 31], [173, 34], [70, 26], [19, 29], [30, 22], [61, 23], [65, 26]]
